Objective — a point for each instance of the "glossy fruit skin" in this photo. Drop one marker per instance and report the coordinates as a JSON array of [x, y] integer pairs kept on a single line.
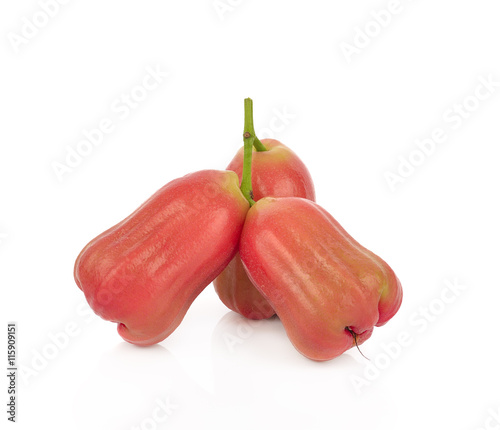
[[145, 272], [319, 280], [239, 294], [277, 172]]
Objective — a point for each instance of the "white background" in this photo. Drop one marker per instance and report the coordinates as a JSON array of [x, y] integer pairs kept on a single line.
[[349, 117]]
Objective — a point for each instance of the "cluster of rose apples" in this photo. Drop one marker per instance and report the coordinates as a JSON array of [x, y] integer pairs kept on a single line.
[[255, 231]]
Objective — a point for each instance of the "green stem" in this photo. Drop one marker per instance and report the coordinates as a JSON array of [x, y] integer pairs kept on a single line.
[[249, 142], [258, 145]]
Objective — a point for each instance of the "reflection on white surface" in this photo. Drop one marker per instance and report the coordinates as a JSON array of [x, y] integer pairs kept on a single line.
[[260, 381], [143, 388], [260, 376]]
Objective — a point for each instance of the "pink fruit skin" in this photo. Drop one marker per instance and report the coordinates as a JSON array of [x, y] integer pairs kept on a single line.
[[319, 280], [144, 272], [277, 172]]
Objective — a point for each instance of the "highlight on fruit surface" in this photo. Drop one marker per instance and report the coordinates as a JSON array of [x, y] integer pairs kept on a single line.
[[328, 291], [276, 172]]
